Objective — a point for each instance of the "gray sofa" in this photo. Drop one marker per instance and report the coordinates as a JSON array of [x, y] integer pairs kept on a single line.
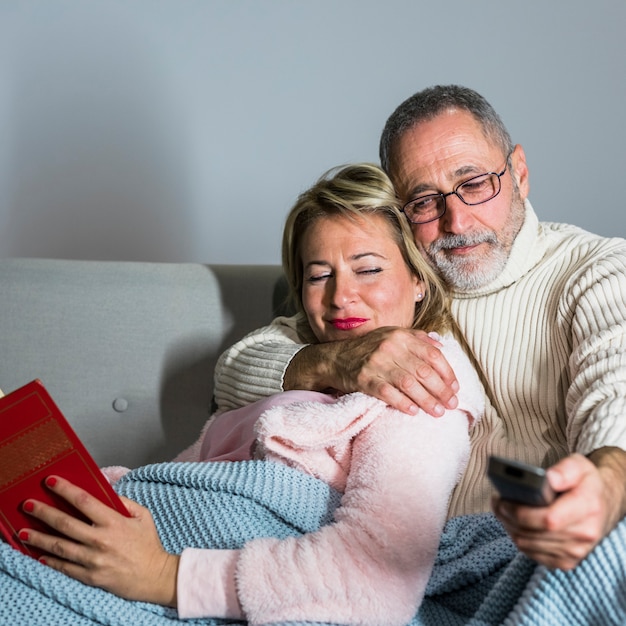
[[128, 349]]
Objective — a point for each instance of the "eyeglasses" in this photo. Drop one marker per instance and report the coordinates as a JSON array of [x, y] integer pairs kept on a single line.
[[473, 191]]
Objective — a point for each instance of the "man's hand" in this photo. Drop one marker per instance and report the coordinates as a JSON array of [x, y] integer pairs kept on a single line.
[[121, 554], [402, 367], [591, 501]]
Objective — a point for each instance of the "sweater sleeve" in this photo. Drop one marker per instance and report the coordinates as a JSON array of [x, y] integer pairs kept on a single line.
[[372, 564], [596, 399], [254, 367], [206, 584]]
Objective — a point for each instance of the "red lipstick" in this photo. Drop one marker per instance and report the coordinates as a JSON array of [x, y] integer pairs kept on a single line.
[[348, 323]]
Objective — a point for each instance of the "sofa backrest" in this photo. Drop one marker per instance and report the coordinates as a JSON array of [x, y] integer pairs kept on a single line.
[[128, 349]]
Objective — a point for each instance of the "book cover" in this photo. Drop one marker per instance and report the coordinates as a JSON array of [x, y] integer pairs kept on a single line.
[[36, 441]]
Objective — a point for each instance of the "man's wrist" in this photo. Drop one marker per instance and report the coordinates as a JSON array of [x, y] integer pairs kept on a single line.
[[311, 368], [611, 463]]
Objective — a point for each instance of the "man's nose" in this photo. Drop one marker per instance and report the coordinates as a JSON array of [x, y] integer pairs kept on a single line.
[[458, 217]]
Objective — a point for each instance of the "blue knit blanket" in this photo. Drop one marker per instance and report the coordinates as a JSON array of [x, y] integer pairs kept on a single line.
[[479, 579]]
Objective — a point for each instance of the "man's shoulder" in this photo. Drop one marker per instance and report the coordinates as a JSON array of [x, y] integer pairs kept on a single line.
[[576, 241]]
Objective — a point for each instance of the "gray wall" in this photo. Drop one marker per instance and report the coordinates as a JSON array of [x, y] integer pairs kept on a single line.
[[182, 130]]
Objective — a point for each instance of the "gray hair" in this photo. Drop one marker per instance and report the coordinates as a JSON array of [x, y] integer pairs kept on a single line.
[[428, 104]]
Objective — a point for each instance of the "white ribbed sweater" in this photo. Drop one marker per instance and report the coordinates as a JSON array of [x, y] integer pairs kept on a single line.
[[548, 338]]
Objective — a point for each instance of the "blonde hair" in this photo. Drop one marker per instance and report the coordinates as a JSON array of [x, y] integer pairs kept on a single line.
[[354, 191]]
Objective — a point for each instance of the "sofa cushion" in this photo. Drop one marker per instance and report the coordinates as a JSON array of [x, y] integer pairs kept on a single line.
[[127, 349]]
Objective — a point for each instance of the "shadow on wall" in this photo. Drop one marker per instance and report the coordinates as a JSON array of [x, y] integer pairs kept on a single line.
[[249, 300], [97, 165]]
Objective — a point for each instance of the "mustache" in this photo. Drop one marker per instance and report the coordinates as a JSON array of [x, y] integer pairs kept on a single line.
[[449, 242]]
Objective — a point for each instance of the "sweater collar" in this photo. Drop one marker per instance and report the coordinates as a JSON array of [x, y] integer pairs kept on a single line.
[[527, 250]]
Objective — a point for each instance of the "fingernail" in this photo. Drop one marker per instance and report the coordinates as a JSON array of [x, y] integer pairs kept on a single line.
[[51, 481], [438, 410], [23, 535], [28, 506], [42, 560]]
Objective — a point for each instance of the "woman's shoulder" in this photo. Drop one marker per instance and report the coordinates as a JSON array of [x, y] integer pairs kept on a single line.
[[471, 393]]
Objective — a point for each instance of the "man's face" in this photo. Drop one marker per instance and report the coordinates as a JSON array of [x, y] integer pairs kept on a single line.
[[469, 245]]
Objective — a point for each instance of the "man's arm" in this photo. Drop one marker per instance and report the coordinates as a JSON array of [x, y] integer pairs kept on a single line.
[[254, 367], [591, 503], [402, 367], [611, 465], [592, 482]]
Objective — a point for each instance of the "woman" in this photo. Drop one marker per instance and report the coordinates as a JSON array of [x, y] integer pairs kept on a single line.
[[352, 267]]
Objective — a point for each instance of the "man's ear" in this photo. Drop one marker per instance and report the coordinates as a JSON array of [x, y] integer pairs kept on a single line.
[[519, 170]]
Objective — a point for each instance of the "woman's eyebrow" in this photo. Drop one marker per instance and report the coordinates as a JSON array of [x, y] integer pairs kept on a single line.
[[316, 262], [361, 255], [355, 257]]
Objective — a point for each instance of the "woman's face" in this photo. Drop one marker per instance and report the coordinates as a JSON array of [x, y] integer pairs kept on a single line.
[[355, 279]]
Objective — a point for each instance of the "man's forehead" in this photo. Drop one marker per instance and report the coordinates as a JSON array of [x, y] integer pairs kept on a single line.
[[426, 158]]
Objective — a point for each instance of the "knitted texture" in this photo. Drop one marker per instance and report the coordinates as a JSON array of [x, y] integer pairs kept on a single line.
[[219, 505], [478, 578], [593, 594], [223, 505]]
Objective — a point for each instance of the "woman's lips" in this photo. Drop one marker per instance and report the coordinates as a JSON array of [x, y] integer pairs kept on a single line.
[[348, 323]]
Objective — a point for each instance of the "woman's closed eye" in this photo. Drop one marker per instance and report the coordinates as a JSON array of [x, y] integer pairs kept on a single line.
[[322, 276], [370, 271], [318, 277]]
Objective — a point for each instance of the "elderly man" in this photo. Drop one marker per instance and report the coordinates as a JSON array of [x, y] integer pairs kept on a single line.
[[541, 307]]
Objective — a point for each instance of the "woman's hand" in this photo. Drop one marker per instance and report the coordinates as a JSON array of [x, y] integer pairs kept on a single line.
[[123, 555]]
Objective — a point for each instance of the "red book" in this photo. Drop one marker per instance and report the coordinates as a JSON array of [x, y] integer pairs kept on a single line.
[[36, 441]]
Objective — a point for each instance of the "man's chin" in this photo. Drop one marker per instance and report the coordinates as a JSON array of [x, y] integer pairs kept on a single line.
[[468, 274]]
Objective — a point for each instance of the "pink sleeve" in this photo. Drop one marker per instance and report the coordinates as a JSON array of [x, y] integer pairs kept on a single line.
[[371, 566], [206, 584], [229, 436], [114, 472]]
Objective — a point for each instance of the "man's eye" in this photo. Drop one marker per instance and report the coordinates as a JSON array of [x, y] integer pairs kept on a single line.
[[476, 185], [424, 204]]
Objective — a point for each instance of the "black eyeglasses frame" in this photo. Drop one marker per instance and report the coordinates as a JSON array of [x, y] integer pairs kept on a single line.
[[455, 192]]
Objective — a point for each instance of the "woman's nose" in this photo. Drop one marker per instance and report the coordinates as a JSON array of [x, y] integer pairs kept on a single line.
[[342, 291]]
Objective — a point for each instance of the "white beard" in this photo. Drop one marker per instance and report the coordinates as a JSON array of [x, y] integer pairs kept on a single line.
[[476, 270]]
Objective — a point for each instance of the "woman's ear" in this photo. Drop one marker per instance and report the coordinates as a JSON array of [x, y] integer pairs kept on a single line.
[[420, 290]]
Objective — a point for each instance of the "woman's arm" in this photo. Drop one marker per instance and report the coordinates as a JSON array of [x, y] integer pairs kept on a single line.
[[120, 554], [384, 538], [372, 564]]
